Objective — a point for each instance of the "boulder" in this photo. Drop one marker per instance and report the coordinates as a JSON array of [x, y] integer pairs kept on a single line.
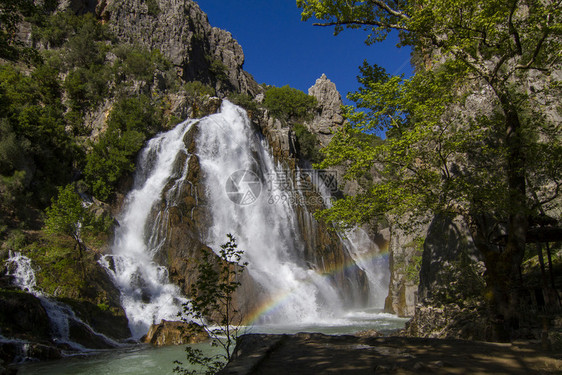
[[174, 333], [85, 336]]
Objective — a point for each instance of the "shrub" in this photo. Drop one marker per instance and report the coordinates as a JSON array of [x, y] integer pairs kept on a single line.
[[308, 143], [288, 103], [130, 123], [198, 90], [245, 101]]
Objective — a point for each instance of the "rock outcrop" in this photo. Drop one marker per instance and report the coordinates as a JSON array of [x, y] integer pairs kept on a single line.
[[168, 333], [329, 116], [23, 317]]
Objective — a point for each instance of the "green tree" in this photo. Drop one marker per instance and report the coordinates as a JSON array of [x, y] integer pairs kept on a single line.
[[130, 123], [288, 103], [308, 143], [443, 153], [12, 13], [32, 119], [213, 299], [68, 216]]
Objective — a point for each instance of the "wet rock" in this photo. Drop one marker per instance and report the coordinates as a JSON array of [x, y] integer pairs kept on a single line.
[[22, 316], [14, 351], [43, 352], [110, 321], [174, 333], [83, 335]]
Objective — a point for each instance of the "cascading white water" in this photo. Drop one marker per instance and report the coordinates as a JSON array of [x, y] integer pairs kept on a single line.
[[20, 268], [267, 231], [364, 252], [367, 256], [146, 293]]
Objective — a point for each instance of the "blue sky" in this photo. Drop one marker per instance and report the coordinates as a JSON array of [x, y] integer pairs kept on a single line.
[[281, 50]]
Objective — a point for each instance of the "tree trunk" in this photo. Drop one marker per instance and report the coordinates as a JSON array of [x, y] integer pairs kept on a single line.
[[503, 262]]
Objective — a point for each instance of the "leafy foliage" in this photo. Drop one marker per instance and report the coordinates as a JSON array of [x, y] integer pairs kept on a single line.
[[213, 297], [12, 13], [288, 103], [198, 90], [130, 123], [245, 101], [445, 151], [308, 143], [67, 215], [34, 142]]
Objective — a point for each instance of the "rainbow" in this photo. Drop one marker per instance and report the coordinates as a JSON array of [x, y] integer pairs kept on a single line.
[[274, 302]]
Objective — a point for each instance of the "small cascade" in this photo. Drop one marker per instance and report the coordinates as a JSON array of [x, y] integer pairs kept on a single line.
[[60, 314], [146, 293], [366, 255], [19, 267], [369, 258]]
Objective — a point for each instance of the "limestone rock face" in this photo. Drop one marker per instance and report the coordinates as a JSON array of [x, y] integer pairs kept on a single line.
[[329, 116], [404, 261], [181, 31], [451, 265], [174, 333]]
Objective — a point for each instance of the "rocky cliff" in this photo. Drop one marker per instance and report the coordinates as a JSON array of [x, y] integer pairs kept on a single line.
[[405, 254], [181, 31]]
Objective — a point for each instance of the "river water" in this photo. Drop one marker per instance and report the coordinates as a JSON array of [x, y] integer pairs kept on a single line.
[[147, 360]]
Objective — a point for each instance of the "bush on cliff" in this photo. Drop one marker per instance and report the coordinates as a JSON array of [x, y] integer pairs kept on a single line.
[[287, 103]]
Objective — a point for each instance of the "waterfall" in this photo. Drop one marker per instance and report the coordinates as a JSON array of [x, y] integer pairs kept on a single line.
[[245, 196], [239, 170], [366, 255], [147, 295], [60, 315]]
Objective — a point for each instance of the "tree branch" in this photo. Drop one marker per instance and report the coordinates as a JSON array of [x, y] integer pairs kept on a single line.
[[363, 23], [513, 30], [393, 12], [535, 53]]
